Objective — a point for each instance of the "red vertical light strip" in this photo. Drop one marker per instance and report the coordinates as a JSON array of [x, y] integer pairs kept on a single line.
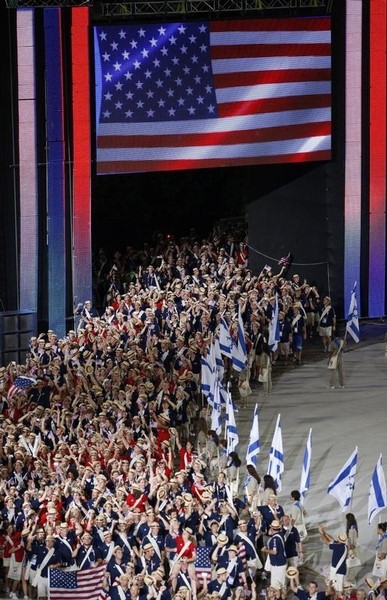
[[377, 157], [82, 263]]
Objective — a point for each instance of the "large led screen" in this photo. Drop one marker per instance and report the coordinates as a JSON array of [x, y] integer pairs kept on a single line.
[[208, 94]]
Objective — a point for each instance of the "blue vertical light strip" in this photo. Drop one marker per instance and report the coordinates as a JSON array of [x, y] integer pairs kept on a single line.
[[28, 195], [55, 171]]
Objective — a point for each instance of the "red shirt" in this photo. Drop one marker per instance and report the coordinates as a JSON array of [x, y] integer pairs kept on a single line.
[[131, 500], [16, 541], [185, 457], [188, 552]]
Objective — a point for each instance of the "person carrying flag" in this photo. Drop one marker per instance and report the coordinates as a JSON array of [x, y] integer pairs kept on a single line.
[[339, 554], [336, 363]]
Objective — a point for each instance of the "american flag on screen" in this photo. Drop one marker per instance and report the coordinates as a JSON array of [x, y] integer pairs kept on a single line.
[[82, 585], [20, 384], [209, 94], [203, 565]]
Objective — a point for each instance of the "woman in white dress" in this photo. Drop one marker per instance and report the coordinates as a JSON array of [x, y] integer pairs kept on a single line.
[[297, 514], [267, 489], [251, 487]]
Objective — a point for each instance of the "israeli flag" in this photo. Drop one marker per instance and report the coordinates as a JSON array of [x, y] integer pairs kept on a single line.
[[216, 415], [225, 339], [218, 358], [207, 375], [239, 350], [231, 428], [305, 473], [344, 483], [274, 332], [353, 318], [276, 457], [254, 445], [377, 499]]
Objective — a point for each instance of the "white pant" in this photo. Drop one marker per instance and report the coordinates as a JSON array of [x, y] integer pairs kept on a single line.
[[42, 585], [337, 580], [278, 575]]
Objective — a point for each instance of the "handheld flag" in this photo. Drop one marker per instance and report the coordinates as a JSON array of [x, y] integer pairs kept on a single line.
[[276, 458], [343, 485], [305, 473], [377, 499], [218, 358], [20, 384], [254, 445], [239, 350], [207, 375], [231, 429], [274, 332], [216, 415], [86, 584], [353, 318], [225, 339]]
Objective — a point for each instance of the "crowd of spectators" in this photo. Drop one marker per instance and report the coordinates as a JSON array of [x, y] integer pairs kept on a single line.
[[106, 456]]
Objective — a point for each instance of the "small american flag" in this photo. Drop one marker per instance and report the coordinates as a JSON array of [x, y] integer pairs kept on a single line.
[[20, 384], [82, 585], [203, 565], [207, 94], [242, 554]]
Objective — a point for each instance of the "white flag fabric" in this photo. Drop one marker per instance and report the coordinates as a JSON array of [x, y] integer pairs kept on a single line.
[[343, 485], [207, 375], [225, 339], [218, 358], [377, 499], [353, 318], [239, 350], [254, 445], [305, 472], [274, 332], [276, 457], [216, 415], [231, 428]]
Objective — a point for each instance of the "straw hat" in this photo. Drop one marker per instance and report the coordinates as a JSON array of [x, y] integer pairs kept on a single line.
[[291, 572], [222, 539]]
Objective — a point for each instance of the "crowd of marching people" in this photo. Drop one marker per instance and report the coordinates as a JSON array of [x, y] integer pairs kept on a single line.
[[108, 460]]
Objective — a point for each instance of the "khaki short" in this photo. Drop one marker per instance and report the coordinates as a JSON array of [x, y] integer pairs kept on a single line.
[[42, 585], [15, 571], [284, 348], [325, 331]]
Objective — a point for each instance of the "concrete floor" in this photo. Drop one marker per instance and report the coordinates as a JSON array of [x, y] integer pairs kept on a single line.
[[341, 419]]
